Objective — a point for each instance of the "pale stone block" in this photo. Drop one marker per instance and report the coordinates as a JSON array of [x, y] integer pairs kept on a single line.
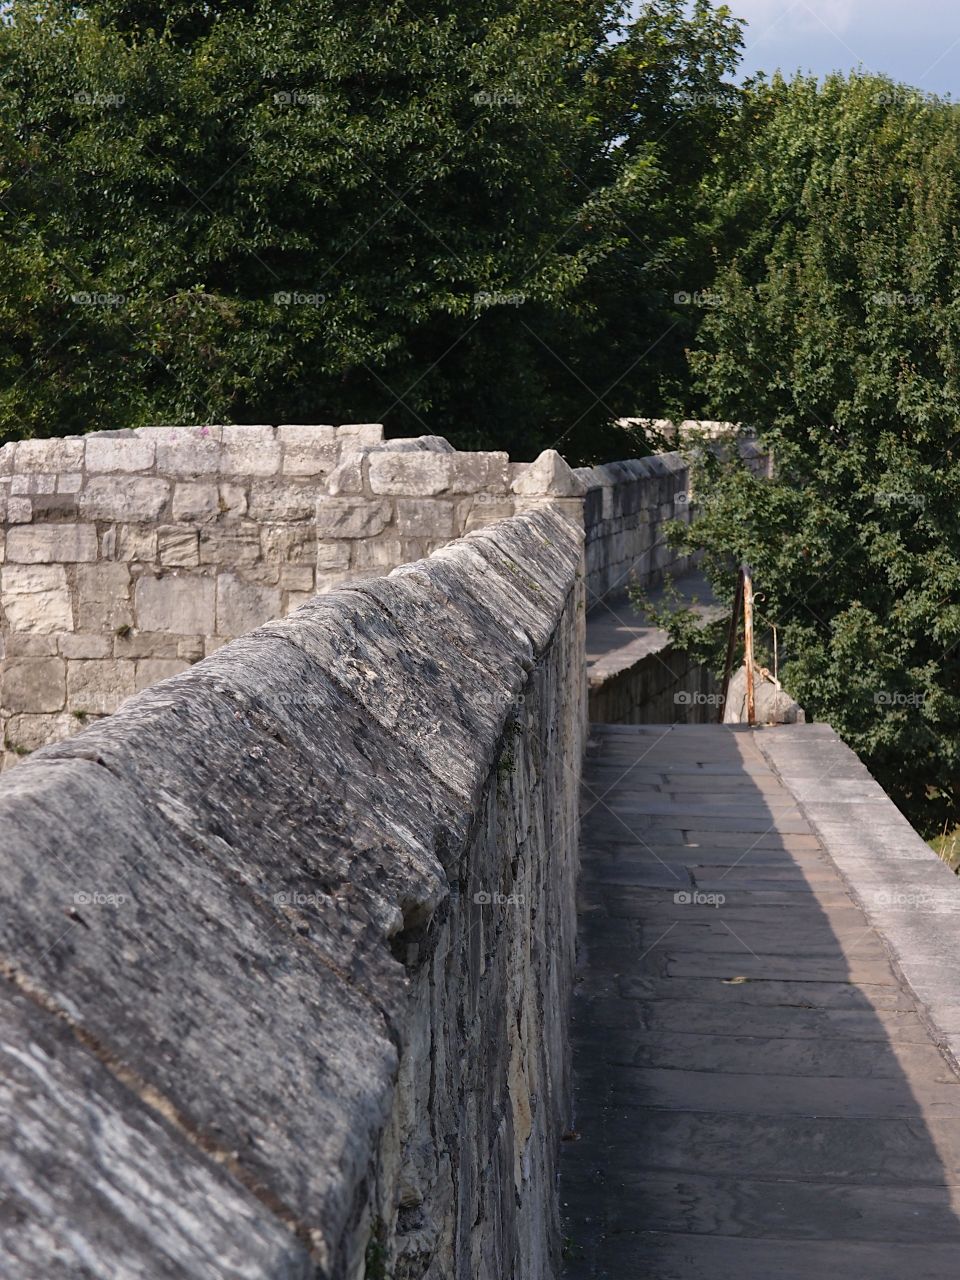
[[150, 670], [482, 509], [296, 598], [120, 497], [288, 543], [196, 502], [19, 511], [351, 517], [233, 500], [424, 518], [178, 604], [86, 646], [361, 433], [308, 450], [296, 577], [32, 484], [7, 452], [103, 597], [52, 543], [179, 548], [230, 545], [473, 472], [126, 453], [378, 553], [36, 598], [190, 648], [241, 606], [187, 451], [212, 643], [70, 482], [97, 687], [332, 555], [549, 474], [55, 455], [133, 543], [348, 476], [145, 644], [30, 732], [27, 644], [282, 500], [33, 684], [250, 451], [411, 474]]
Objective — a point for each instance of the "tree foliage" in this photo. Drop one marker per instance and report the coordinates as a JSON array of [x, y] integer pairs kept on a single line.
[[834, 333], [460, 218]]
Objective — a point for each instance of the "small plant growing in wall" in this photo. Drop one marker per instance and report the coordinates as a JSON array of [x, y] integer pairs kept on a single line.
[[376, 1256]]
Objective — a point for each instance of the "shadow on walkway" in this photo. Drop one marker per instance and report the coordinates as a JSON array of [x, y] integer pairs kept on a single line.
[[756, 1096]]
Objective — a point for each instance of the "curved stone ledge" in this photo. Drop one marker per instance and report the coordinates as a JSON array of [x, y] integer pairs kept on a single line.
[[295, 927]]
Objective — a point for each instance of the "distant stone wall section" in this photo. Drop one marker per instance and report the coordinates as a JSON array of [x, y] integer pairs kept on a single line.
[[286, 987], [129, 555]]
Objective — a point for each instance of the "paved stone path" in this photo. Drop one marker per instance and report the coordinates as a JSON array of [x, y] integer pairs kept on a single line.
[[757, 1097]]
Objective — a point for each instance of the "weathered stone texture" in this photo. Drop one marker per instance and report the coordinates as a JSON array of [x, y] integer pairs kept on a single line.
[[326, 925], [185, 604]]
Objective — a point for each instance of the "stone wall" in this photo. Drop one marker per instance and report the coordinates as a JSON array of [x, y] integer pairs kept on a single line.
[[127, 556], [285, 988], [629, 506]]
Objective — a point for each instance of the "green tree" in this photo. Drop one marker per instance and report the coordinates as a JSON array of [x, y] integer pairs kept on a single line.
[[835, 336], [457, 218]]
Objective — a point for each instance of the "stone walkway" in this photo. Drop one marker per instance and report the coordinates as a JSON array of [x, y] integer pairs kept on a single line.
[[758, 1097]]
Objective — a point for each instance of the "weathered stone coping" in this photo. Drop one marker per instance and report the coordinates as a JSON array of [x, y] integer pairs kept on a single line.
[[910, 897], [202, 1067]]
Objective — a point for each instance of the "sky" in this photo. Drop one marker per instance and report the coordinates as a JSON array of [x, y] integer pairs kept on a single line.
[[914, 41]]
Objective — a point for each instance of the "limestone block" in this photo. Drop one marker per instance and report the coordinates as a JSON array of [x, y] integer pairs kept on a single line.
[[146, 644], [424, 518], [179, 604], [7, 452], [86, 645], [360, 433], [178, 547], [549, 474], [350, 517], [482, 509], [193, 501], [128, 453], [52, 543], [103, 597], [473, 472], [99, 686], [70, 482], [121, 497], [190, 648], [19, 510], [150, 670], [288, 543], [250, 451], [282, 500], [29, 732], [411, 474], [135, 542], [186, 451], [33, 483], [55, 506], [53, 456], [241, 606], [332, 555], [348, 476], [233, 500], [230, 545], [33, 684], [308, 450], [28, 644], [378, 553], [36, 598], [297, 577], [296, 598]]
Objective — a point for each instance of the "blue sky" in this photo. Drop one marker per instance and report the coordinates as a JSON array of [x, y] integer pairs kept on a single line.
[[916, 41]]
